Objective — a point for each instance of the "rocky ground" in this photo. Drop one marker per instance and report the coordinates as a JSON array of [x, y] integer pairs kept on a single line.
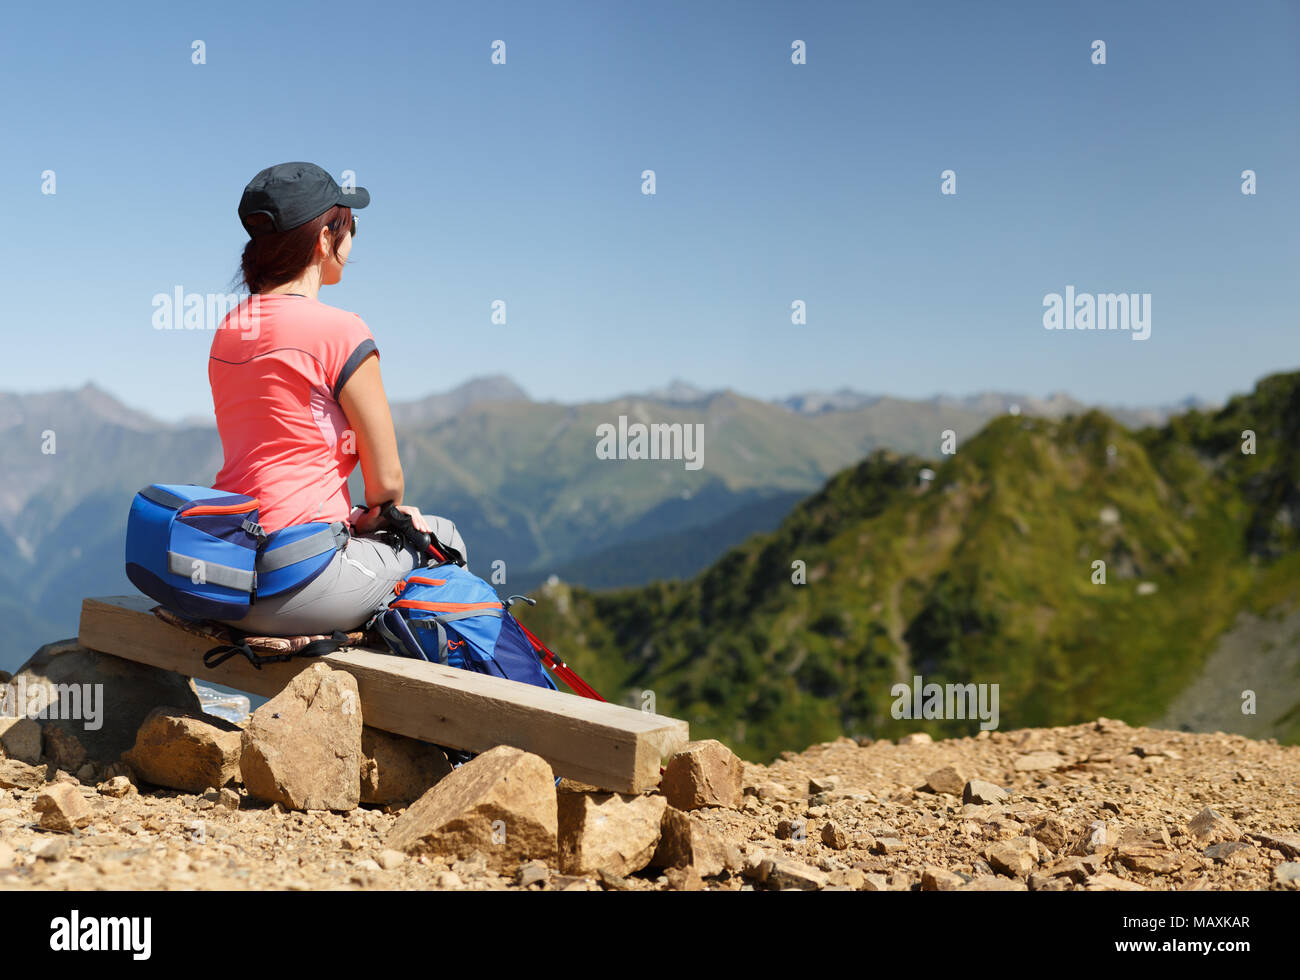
[[1097, 806]]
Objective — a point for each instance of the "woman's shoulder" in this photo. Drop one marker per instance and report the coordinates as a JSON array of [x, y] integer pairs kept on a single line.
[[324, 310], [311, 320]]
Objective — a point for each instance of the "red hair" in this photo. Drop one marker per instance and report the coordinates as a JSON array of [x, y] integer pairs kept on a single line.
[[272, 258]]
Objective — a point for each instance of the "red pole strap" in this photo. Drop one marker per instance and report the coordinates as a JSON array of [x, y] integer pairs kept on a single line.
[[565, 672]]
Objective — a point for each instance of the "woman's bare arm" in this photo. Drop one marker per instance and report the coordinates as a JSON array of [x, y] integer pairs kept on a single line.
[[366, 405]]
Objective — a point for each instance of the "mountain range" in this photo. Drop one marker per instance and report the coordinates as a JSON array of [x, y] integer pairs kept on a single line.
[[520, 478], [1078, 567]]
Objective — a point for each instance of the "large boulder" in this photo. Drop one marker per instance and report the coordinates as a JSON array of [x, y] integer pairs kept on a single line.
[[501, 803], [76, 686], [396, 770], [302, 748], [609, 832], [185, 752]]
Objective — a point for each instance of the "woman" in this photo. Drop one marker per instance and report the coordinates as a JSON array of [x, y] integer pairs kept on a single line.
[[299, 399]]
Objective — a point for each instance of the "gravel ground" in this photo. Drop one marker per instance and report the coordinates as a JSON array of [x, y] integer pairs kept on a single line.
[[1097, 806]]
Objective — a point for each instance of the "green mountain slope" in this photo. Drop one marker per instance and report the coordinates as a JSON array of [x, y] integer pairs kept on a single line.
[[985, 576]]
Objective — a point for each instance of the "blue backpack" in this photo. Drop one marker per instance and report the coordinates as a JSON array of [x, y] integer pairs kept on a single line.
[[200, 552], [447, 615]]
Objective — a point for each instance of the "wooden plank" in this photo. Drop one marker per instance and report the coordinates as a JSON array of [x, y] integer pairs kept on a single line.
[[607, 745]]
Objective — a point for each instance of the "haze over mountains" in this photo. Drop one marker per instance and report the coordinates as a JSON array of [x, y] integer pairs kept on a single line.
[[520, 478]]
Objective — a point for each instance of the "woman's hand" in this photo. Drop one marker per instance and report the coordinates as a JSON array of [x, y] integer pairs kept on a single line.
[[373, 519], [417, 519]]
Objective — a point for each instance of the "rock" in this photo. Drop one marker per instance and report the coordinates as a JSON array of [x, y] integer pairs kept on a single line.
[[1288, 873], [791, 829], [607, 831], [849, 878], [685, 879], [54, 849], [900, 881], [1231, 852], [188, 752], [64, 750], [685, 840], [531, 872], [572, 883], [886, 845], [875, 882], [21, 739], [1039, 882], [978, 791], [1036, 761], [615, 883], [502, 802], [19, 775], [992, 883], [62, 807], [396, 770], [786, 872], [1148, 858], [389, 859], [67, 676], [1074, 868], [916, 738], [704, 774], [948, 779], [755, 864], [302, 749], [1051, 831], [1210, 826], [1288, 844], [117, 787], [86, 773], [1098, 837], [447, 880], [939, 880], [823, 784], [1106, 882], [1016, 857], [833, 836]]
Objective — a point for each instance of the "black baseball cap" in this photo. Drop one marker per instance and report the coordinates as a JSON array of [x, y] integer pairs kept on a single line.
[[291, 194]]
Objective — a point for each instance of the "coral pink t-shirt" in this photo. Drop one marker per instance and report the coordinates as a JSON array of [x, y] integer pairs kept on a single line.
[[277, 365]]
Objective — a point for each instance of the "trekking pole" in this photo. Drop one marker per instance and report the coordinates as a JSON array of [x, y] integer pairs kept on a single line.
[[423, 542], [565, 672]]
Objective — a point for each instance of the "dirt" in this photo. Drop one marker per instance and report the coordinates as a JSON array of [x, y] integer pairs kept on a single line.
[[1143, 786]]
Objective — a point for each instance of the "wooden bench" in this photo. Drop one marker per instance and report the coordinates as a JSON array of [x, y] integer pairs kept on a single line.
[[606, 745]]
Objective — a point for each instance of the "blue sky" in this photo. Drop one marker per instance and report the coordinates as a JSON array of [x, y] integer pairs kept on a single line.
[[775, 182]]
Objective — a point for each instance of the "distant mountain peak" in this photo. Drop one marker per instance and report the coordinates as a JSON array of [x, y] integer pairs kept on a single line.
[[676, 392], [843, 399], [445, 404]]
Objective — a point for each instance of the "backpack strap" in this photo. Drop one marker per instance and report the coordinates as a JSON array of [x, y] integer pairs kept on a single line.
[[316, 648], [330, 538]]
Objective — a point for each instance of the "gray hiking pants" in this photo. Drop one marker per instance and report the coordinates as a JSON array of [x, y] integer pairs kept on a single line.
[[356, 582]]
